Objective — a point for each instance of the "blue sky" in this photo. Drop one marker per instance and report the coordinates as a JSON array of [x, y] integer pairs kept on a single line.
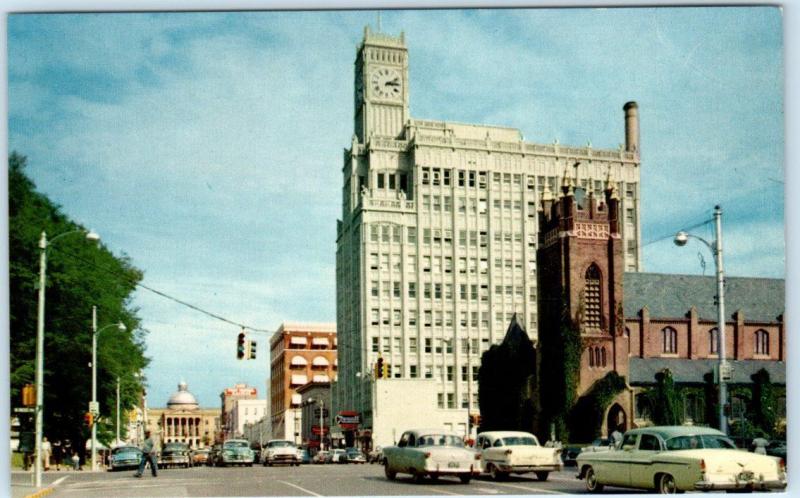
[[208, 146]]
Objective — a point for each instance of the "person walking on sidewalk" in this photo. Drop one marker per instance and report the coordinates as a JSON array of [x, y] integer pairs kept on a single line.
[[148, 454], [46, 450]]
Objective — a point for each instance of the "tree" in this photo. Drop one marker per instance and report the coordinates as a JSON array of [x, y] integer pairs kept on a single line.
[[665, 405], [79, 275], [764, 404]]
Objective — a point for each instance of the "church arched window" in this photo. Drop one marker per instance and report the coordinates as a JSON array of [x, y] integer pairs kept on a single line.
[[603, 356], [669, 340], [591, 357], [592, 316], [713, 341], [762, 342]]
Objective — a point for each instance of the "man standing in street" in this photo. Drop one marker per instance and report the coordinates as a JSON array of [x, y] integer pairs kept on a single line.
[[148, 454]]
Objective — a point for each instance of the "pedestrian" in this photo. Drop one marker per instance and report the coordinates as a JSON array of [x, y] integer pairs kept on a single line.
[[57, 453], [76, 461], [46, 451], [616, 437], [148, 454]]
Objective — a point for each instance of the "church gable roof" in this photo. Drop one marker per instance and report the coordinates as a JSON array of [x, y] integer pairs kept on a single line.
[[671, 296]]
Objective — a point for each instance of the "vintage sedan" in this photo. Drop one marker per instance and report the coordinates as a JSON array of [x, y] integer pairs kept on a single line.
[[175, 455], [200, 456], [279, 451], [431, 452], [235, 452], [672, 459], [513, 452], [125, 457]]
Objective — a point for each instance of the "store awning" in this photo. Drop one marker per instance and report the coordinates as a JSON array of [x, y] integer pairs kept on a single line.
[[320, 341], [321, 378], [299, 361], [299, 380], [298, 341], [320, 361]]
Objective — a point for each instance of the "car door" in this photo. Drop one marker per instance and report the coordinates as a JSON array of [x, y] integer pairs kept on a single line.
[[641, 461], [614, 467]]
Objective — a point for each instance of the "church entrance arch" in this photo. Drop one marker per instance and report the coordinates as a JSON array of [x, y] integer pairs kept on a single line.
[[616, 419]]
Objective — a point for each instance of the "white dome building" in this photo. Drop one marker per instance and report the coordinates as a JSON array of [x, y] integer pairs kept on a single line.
[[184, 421]]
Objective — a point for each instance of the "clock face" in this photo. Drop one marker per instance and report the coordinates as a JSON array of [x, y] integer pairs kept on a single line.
[[386, 83]]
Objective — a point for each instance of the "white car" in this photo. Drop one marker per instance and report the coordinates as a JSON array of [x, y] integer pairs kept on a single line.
[[513, 452], [431, 452], [279, 451], [671, 459]]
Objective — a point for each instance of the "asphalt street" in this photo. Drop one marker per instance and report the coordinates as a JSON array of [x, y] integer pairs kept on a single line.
[[306, 480]]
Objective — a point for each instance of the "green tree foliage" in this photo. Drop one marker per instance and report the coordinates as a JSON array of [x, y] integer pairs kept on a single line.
[[561, 359], [505, 382], [586, 417], [764, 408], [80, 274], [666, 407]]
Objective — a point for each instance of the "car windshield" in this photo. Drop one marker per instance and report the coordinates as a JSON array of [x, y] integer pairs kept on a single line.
[[519, 441], [174, 447], [440, 440], [703, 441], [354, 451], [280, 444], [126, 449], [235, 444]]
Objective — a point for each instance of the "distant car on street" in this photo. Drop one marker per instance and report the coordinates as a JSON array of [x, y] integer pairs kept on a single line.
[[125, 457], [235, 452], [320, 457], [200, 456], [336, 455], [375, 456], [303, 456], [175, 455], [278, 451], [354, 455], [515, 452]]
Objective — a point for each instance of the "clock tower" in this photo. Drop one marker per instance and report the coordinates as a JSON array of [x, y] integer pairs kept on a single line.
[[381, 86]]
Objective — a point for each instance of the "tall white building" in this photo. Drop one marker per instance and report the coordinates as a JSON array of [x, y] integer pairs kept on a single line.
[[246, 411], [436, 248]]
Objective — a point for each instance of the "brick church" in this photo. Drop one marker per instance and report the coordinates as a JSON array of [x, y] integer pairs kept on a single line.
[[638, 324]]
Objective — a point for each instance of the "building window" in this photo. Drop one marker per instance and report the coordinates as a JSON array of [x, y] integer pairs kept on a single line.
[[762, 342], [412, 235], [713, 341], [669, 340], [592, 317]]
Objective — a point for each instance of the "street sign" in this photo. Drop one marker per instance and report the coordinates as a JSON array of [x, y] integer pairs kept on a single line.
[[24, 409], [315, 430], [726, 371], [94, 408]]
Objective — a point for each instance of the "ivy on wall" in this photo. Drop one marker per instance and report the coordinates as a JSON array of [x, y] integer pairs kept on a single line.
[[586, 417]]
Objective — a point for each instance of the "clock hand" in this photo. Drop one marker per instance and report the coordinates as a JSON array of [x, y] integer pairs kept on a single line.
[[392, 83]]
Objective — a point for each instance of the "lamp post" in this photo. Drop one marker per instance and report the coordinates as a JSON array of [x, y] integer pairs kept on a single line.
[[43, 246], [716, 249], [95, 333], [321, 404], [117, 441]]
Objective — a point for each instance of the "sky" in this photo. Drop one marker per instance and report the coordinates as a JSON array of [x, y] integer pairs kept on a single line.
[[208, 146]]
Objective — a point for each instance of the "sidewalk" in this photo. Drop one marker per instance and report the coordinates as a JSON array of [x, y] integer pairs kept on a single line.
[[22, 482]]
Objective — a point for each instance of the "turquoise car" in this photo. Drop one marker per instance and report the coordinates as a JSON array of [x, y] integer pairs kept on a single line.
[[235, 452]]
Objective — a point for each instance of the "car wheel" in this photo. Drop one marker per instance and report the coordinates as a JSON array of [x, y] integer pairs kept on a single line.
[[465, 478], [418, 476], [592, 485], [495, 473], [390, 474], [542, 476], [666, 485], [434, 477]]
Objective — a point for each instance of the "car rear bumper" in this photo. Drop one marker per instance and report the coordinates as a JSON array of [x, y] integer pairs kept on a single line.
[[519, 469], [445, 470], [740, 484]]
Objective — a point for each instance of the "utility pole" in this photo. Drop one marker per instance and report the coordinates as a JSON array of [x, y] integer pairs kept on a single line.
[[321, 427], [94, 386], [117, 410]]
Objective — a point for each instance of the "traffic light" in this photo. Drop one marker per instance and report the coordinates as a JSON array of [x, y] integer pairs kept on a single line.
[[379, 368], [88, 418], [240, 349], [387, 371], [252, 351], [28, 395]]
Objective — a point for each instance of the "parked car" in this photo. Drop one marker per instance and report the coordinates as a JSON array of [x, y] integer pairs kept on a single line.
[[214, 454], [431, 452], [200, 456], [671, 459], [354, 455], [336, 455], [303, 455], [279, 451], [320, 457], [777, 448], [569, 454], [175, 455], [125, 457], [513, 452], [235, 452]]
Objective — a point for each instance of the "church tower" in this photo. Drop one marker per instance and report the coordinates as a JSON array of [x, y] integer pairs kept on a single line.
[[580, 261], [381, 86]]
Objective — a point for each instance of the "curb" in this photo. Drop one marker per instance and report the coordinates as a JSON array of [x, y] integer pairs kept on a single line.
[[44, 492]]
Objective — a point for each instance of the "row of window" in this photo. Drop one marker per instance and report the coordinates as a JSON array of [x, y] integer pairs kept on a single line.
[[451, 401], [430, 345], [466, 238], [439, 318], [439, 264], [471, 292], [669, 341]]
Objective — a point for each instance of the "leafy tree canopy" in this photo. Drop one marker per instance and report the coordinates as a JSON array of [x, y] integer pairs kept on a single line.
[[80, 274]]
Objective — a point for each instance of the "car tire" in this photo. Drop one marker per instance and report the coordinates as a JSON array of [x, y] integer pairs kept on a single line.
[[496, 474], [592, 485], [465, 479], [417, 476], [390, 474], [666, 485], [542, 476]]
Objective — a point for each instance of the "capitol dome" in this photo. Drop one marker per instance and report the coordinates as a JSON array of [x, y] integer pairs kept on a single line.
[[182, 399]]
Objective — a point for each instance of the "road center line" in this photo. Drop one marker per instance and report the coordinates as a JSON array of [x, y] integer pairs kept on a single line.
[[59, 481], [443, 491], [531, 490], [301, 489]]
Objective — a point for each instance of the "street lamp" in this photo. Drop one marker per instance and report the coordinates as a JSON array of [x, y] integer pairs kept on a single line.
[[44, 244], [93, 406], [321, 403], [723, 374]]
